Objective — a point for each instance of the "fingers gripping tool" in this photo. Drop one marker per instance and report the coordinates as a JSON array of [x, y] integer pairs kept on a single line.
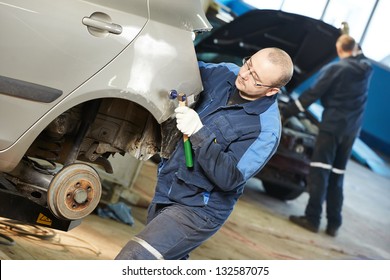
[[182, 98]]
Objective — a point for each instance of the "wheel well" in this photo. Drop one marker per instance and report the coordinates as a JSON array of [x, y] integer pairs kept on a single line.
[[119, 126]]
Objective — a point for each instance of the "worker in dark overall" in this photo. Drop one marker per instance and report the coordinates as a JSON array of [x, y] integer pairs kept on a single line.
[[342, 89], [234, 130]]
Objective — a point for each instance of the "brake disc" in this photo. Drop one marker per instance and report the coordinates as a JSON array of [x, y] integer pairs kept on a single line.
[[74, 192]]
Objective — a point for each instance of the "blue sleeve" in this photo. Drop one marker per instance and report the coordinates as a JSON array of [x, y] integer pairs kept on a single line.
[[244, 158], [264, 147], [321, 85], [219, 166]]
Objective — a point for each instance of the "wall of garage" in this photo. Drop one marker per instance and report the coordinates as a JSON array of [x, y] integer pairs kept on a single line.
[[376, 128]]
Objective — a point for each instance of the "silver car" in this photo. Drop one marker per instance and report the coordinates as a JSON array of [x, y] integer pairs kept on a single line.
[[79, 82]]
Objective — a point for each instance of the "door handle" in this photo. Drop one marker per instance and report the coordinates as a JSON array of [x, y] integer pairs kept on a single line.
[[102, 25]]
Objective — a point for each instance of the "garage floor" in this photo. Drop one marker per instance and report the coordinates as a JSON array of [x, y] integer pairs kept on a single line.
[[257, 229]]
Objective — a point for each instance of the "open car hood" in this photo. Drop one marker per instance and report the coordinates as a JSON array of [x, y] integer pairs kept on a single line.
[[309, 42]]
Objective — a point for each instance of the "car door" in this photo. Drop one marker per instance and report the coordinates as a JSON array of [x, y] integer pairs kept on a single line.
[[50, 47]]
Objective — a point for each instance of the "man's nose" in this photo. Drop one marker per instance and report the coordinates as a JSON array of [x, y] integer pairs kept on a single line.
[[245, 74]]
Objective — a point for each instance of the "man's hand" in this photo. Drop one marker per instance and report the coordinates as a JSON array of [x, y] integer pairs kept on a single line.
[[188, 121]]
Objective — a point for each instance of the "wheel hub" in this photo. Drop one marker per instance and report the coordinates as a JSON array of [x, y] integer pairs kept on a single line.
[[74, 192]]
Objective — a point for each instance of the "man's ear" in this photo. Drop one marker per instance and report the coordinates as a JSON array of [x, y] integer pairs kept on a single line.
[[272, 91]]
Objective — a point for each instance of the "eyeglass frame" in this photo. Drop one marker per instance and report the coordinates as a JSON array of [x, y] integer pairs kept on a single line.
[[257, 84]]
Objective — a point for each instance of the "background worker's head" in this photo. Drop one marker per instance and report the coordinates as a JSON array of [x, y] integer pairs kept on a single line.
[[264, 73], [345, 46]]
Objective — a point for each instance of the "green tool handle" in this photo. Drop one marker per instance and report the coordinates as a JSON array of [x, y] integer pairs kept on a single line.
[[187, 144], [188, 151]]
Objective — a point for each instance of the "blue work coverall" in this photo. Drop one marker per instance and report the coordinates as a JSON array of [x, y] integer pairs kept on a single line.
[[235, 142], [342, 88]]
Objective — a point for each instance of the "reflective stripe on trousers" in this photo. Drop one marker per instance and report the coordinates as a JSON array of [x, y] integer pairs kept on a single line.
[[327, 166], [148, 247]]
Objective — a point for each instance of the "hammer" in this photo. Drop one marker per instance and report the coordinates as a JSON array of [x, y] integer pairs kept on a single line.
[[181, 97]]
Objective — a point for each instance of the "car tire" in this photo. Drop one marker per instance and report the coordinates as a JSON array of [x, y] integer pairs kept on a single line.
[[282, 192]]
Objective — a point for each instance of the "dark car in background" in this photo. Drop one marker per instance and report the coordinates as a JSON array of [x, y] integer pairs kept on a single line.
[[311, 44]]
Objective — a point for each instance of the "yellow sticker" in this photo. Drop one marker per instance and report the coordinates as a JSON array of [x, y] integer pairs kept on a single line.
[[42, 219]]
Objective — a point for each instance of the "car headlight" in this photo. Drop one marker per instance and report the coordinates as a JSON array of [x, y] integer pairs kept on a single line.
[[299, 149]]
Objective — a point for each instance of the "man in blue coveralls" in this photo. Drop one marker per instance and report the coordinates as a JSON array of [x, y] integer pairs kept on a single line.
[[342, 88], [234, 130]]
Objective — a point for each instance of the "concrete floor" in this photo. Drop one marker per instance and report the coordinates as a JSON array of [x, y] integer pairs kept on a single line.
[[257, 229]]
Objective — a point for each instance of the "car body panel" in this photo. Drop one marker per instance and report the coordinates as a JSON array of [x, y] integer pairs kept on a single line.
[[60, 55], [141, 64], [83, 81]]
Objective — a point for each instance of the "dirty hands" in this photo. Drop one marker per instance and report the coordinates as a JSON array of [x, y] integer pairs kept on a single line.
[[188, 121]]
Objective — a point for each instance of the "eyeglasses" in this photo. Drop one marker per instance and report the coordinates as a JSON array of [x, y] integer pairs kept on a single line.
[[248, 60]]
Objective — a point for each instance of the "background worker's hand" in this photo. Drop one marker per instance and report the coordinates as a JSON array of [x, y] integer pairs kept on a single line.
[[188, 121]]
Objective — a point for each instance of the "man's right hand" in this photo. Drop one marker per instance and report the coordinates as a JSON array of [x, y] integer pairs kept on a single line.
[[188, 121]]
